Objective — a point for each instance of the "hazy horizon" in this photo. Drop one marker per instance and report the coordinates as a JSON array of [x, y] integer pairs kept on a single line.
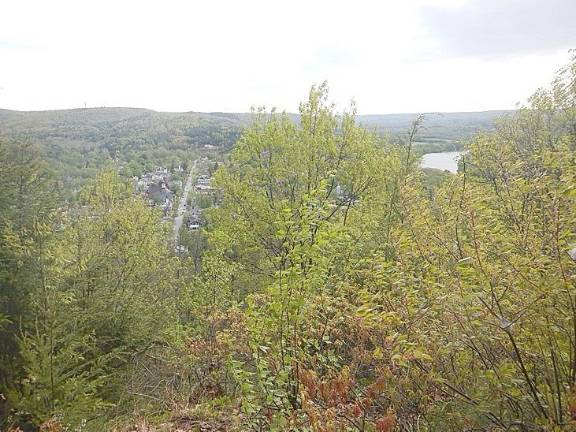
[[224, 56], [249, 112]]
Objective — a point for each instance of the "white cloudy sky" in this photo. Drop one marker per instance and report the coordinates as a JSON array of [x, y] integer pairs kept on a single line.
[[227, 55]]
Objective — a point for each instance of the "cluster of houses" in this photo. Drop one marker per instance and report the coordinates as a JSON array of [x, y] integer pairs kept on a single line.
[[155, 186], [203, 184], [194, 220]]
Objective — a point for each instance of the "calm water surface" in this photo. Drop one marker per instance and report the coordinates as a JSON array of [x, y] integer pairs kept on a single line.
[[443, 161]]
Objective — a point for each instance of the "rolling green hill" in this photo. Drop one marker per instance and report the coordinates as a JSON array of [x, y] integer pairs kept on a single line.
[[80, 141], [443, 126]]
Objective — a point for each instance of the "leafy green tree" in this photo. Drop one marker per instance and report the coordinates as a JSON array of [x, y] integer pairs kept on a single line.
[[295, 199], [104, 297], [27, 216]]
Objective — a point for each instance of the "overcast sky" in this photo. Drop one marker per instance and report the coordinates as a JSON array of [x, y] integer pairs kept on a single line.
[[390, 56]]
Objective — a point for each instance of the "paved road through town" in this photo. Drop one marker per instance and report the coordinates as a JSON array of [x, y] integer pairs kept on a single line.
[[182, 206]]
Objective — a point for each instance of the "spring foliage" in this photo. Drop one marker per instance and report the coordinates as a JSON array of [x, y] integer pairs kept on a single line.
[[336, 290]]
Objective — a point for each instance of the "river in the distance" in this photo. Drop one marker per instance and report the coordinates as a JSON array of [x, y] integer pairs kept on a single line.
[[445, 161]]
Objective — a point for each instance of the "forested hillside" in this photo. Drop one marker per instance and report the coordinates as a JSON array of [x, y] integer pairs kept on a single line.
[[439, 126], [331, 290], [80, 142]]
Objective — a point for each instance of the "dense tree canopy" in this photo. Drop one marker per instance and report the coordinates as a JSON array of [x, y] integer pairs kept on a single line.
[[332, 287]]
